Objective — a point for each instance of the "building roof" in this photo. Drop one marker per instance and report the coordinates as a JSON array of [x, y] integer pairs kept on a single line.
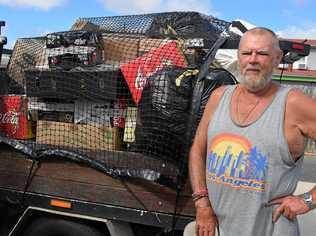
[[311, 42], [294, 72]]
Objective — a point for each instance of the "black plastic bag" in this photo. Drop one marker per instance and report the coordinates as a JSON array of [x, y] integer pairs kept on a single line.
[[187, 25], [162, 114], [215, 78], [165, 108]]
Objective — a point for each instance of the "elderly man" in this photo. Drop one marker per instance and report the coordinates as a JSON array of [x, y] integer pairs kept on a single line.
[[247, 153]]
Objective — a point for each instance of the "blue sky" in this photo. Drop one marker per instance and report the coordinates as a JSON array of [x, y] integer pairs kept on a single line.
[[29, 18]]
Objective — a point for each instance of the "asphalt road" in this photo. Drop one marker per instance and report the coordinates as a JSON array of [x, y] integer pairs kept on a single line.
[[309, 170]]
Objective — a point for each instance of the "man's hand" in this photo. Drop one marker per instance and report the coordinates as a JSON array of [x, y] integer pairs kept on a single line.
[[289, 206], [206, 221]]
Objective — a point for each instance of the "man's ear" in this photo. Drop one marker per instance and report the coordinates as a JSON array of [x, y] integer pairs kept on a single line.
[[278, 58]]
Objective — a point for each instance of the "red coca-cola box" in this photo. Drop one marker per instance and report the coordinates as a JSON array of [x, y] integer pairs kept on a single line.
[[14, 122], [137, 71]]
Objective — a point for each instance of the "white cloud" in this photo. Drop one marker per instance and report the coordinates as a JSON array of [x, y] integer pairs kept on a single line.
[[298, 32], [10, 44], [287, 12], [149, 6], [41, 4], [300, 2]]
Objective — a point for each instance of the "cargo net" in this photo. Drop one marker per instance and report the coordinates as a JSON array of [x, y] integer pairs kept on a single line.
[[113, 92]]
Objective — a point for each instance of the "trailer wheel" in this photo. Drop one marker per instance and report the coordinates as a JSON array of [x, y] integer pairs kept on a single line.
[[50, 226]]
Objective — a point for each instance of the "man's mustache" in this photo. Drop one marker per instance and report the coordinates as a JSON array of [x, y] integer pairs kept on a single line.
[[252, 68]]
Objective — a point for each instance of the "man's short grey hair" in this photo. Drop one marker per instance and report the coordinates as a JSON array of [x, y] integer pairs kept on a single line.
[[260, 30]]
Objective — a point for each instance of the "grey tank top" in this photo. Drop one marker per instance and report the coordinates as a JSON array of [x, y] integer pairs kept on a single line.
[[247, 166]]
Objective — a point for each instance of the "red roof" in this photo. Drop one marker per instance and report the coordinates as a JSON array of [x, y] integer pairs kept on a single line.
[[294, 72], [311, 42]]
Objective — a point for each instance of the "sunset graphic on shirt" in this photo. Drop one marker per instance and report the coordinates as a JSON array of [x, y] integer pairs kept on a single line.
[[235, 162]]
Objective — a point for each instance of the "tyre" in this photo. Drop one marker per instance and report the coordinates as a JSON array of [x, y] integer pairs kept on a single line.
[[53, 226]]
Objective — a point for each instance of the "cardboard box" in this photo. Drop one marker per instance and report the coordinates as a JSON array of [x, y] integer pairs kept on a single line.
[[77, 136], [105, 113], [14, 121], [85, 25], [137, 71], [72, 56], [192, 54], [130, 125], [91, 112], [119, 49], [59, 116], [147, 44], [27, 54], [38, 104], [52, 111]]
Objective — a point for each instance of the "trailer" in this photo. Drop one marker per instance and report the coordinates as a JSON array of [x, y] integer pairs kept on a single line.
[[74, 195], [98, 121]]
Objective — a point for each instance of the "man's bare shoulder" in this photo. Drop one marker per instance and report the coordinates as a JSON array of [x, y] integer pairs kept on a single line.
[[300, 108], [296, 99], [218, 93], [300, 111], [214, 99]]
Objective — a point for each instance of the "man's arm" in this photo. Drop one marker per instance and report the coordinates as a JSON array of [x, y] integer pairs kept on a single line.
[[291, 206], [303, 110], [206, 220], [197, 157], [300, 121]]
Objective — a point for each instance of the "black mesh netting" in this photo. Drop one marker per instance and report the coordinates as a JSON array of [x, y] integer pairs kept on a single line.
[[113, 92]]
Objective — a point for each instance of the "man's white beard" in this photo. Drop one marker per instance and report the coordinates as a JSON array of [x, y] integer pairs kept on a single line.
[[255, 83]]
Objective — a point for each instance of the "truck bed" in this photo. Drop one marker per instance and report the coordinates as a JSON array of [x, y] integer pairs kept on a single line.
[[64, 179]]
